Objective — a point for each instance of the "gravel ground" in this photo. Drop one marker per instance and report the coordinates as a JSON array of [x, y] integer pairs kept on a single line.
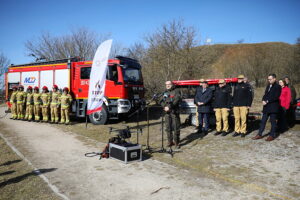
[[213, 167]]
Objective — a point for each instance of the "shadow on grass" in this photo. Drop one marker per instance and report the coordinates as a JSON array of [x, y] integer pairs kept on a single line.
[[253, 125], [10, 162], [24, 176], [6, 173]]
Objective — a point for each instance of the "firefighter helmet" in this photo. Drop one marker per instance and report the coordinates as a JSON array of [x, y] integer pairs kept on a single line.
[[21, 86], [45, 88], [29, 88], [55, 87], [15, 87], [66, 89], [36, 88]]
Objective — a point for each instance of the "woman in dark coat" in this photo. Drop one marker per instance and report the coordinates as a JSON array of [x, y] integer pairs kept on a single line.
[[203, 101]]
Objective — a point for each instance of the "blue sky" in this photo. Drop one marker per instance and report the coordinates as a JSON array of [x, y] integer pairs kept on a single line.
[[129, 20]]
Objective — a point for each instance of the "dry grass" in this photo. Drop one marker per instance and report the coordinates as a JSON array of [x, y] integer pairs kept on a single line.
[[17, 179]]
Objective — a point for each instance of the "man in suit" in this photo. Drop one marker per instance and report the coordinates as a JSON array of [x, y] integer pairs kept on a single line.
[[271, 106], [203, 101]]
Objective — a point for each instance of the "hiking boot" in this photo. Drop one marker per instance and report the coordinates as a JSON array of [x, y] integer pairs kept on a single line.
[[218, 133], [225, 133], [236, 134]]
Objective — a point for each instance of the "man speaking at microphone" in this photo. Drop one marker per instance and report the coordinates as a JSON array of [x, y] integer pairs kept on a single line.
[[170, 103]]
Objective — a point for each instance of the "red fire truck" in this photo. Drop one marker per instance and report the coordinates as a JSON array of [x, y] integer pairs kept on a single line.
[[124, 90]]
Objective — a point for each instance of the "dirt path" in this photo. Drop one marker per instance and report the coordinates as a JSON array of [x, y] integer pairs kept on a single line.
[[79, 177]]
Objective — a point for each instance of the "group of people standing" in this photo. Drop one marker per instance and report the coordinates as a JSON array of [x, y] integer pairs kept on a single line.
[[46, 106], [222, 101], [276, 102]]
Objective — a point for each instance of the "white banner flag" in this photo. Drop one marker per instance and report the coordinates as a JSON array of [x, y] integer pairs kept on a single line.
[[98, 78]]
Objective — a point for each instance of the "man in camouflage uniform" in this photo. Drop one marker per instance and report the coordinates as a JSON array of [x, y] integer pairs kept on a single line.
[[65, 101], [37, 104], [29, 104], [170, 104], [45, 97], [21, 98], [54, 104], [13, 102]]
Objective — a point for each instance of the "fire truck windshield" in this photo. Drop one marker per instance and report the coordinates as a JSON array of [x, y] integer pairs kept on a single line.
[[132, 75]]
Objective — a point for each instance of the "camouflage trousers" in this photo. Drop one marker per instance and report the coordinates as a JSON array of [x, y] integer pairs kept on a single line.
[[172, 123]]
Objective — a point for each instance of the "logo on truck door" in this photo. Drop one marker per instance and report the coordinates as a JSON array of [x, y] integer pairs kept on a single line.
[[29, 80]]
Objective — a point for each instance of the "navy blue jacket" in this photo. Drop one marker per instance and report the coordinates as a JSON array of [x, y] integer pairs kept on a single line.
[[223, 97], [272, 98], [204, 97]]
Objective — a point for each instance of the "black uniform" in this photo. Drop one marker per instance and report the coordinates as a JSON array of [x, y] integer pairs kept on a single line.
[[223, 97], [242, 95], [171, 99]]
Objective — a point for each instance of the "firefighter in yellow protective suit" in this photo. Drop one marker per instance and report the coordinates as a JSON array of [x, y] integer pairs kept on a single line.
[[21, 99], [37, 104], [45, 97], [65, 103], [13, 102], [54, 105], [29, 104]]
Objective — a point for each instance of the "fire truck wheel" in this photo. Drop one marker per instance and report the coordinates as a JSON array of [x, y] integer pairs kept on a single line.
[[101, 117]]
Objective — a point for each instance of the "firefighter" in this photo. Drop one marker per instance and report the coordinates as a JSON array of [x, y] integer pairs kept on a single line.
[[29, 104], [37, 104], [170, 104], [65, 101], [45, 97], [21, 98], [54, 106], [13, 102]]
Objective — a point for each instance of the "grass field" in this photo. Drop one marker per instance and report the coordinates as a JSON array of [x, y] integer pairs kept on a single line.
[[18, 180]]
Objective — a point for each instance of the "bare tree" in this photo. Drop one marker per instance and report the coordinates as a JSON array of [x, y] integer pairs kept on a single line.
[[169, 54], [4, 62], [80, 42]]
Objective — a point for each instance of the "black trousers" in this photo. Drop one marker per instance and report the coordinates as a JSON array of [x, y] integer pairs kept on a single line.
[[172, 123], [282, 120], [273, 118]]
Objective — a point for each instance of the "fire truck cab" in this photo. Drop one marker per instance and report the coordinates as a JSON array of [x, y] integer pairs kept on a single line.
[[124, 90]]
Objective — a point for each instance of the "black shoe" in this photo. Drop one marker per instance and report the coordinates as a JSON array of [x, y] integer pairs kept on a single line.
[[225, 133], [217, 133], [243, 135], [205, 132], [199, 131], [236, 134]]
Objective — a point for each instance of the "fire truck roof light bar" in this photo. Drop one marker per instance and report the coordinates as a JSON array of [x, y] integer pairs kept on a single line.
[[66, 60]]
